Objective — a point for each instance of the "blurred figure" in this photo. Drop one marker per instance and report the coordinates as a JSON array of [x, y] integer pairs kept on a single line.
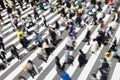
[[30, 68], [82, 59], [14, 52]]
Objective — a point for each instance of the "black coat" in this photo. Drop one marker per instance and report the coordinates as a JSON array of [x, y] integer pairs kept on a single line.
[[24, 42]]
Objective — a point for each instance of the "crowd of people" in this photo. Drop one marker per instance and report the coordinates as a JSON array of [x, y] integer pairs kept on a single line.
[[73, 13]]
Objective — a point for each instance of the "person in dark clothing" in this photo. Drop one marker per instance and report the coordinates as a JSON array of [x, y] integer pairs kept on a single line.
[[63, 11], [9, 11], [24, 42], [60, 68], [102, 37], [114, 45], [53, 36], [20, 3], [95, 18], [57, 26], [3, 56], [82, 59], [87, 37], [106, 1], [99, 40], [68, 4], [36, 15], [93, 2], [2, 4], [1, 18], [14, 52], [104, 69], [19, 13], [31, 68], [44, 21], [78, 20], [1, 43]]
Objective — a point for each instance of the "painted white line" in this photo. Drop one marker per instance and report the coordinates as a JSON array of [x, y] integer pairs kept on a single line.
[[116, 73]]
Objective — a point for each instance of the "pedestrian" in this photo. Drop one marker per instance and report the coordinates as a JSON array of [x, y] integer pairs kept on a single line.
[[30, 20], [108, 56], [87, 37], [60, 68], [109, 34], [38, 38], [41, 53], [21, 4], [94, 18], [114, 45], [14, 22], [20, 34], [41, 6], [24, 42], [1, 43], [53, 36], [30, 68], [36, 15], [46, 47], [104, 69], [9, 11], [57, 25], [82, 59], [19, 14], [1, 17], [3, 56], [94, 46], [14, 52], [68, 58], [93, 76], [44, 21], [69, 43], [103, 26], [78, 20]]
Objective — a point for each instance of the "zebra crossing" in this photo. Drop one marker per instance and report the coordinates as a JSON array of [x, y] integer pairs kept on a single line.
[[48, 71]]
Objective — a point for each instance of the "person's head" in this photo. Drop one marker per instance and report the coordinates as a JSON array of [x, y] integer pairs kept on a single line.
[[57, 58], [12, 46], [94, 39], [29, 15], [29, 61]]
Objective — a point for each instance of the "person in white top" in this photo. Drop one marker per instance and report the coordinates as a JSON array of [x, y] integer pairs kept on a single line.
[[94, 46]]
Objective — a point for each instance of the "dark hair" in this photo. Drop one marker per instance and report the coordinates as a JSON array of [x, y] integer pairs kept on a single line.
[[57, 58], [29, 61]]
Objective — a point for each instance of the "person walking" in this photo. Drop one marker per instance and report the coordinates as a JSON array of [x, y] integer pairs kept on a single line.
[[44, 21], [94, 46], [1, 43], [1, 17], [9, 11], [14, 52], [30, 20], [30, 68], [24, 42], [41, 53], [82, 59], [36, 15], [41, 6], [3, 56], [87, 37], [59, 67]]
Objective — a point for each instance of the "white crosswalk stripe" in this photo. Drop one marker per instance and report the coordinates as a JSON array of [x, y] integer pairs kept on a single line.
[[17, 67]]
